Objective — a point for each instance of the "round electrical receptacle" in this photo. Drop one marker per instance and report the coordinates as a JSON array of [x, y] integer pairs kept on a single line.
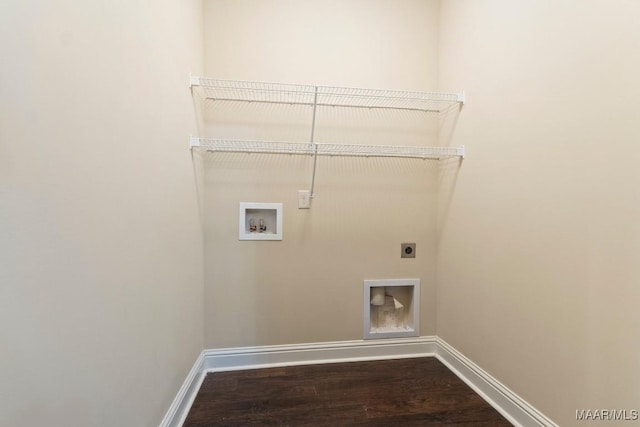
[[408, 250]]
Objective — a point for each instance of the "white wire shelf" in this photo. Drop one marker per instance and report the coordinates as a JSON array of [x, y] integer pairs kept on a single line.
[[209, 89], [324, 149]]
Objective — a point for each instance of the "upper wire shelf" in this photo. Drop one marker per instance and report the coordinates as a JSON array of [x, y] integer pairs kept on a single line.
[[323, 96], [324, 149]]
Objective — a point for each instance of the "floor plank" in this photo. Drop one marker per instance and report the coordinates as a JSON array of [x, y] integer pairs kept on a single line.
[[401, 392]]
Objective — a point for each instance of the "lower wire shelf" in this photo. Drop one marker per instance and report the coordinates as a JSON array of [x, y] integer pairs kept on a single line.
[[324, 149]]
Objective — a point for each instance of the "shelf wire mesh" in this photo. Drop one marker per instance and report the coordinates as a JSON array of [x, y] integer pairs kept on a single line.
[[328, 96], [276, 93], [209, 89], [325, 149], [252, 146]]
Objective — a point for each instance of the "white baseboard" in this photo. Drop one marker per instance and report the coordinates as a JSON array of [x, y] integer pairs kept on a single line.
[[179, 409], [316, 353], [510, 405]]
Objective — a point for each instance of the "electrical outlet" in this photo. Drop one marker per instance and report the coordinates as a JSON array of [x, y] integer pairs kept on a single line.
[[408, 250], [304, 199]]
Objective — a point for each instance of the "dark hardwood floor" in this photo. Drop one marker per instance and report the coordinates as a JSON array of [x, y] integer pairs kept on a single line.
[[401, 392]]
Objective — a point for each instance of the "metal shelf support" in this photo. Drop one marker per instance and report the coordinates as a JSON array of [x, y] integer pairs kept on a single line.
[[315, 146]]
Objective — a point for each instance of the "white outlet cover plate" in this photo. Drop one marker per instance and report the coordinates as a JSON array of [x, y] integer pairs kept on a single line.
[[304, 199]]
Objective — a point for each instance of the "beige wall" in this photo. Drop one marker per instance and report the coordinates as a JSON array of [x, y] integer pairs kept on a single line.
[[539, 232], [309, 286], [101, 248]]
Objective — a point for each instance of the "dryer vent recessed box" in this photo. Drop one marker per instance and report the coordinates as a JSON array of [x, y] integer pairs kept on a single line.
[[391, 308]]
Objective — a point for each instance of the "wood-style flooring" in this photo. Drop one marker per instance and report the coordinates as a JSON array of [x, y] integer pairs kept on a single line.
[[402, 392]]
